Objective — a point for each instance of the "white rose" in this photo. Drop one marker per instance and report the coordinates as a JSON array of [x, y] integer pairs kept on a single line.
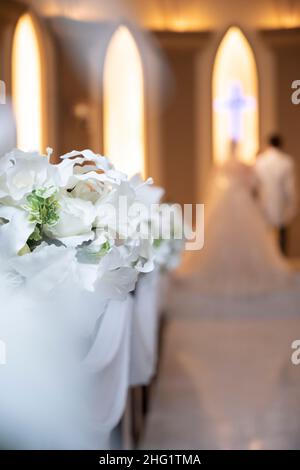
[[90, 190], [76, 218]]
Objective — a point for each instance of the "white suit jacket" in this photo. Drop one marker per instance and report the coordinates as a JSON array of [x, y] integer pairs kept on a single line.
[[275, 174]]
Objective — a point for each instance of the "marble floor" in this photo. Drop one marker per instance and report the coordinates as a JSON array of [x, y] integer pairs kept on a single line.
[[227, 381]]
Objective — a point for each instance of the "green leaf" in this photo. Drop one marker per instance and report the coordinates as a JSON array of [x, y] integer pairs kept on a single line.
[[87, 254], [36, 234], [43, 207]]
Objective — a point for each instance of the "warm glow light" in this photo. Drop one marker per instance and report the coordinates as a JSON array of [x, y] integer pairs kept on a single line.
[[26, 75], [235, 67], [181, 25], [124, 104]]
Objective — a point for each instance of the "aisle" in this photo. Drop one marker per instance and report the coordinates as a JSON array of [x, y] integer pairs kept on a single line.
[[227, 383]]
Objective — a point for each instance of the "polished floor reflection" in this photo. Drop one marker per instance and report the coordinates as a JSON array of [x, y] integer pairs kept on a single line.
[[227, 381]]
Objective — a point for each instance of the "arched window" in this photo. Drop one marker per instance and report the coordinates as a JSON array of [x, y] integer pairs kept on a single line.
[[123, 102], [27, 85], [235, 98]]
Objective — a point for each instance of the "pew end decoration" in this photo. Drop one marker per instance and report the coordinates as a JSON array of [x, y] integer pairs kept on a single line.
[[75, 240]]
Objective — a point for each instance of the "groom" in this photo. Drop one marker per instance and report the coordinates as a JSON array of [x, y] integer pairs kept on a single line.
[[276, 187]]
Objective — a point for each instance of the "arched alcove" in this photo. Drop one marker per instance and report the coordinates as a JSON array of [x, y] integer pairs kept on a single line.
[[123, 104], [27, 85], [235, 98]]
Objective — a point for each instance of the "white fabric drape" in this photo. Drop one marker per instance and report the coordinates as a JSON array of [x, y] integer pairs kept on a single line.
[[71, 357], [65, 382], [107, 371], [145, 329]]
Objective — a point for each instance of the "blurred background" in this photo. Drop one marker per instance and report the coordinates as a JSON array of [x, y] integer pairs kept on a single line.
[[70, 61]]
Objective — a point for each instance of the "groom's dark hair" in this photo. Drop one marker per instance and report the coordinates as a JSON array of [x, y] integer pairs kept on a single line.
[[275, 140]]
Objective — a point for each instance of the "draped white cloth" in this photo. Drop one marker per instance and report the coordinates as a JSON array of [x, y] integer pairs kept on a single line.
[[106, 368], [41, 389], [71, 354], [145, 329], [67, 373]]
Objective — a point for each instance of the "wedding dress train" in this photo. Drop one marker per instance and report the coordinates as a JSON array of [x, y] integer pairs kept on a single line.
[[240, 256]]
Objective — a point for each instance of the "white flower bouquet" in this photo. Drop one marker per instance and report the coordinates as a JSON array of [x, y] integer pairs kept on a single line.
[[71, 211], [74, 238], [165, 224], [72, 244]]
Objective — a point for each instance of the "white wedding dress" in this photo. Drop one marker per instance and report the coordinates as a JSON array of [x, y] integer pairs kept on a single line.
[[240, 256]]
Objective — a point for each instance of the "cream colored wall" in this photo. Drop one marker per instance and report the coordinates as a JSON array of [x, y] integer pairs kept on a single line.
[[177, 15], [179, 126]]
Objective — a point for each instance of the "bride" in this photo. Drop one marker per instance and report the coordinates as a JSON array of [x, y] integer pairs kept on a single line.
[[240, 256]]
